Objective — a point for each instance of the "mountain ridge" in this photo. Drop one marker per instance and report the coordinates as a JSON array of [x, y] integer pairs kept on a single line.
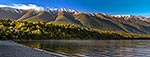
[[102, 21]]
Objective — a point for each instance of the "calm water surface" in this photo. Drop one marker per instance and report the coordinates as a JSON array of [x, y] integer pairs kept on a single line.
[[94, 48]]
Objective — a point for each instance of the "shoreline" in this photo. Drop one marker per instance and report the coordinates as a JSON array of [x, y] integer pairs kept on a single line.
[[10, 48]]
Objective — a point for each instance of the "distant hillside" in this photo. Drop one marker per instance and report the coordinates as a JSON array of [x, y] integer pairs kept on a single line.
[[122, 23]]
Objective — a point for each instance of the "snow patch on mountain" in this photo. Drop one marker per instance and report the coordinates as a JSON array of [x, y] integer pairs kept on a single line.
[[121, 15]]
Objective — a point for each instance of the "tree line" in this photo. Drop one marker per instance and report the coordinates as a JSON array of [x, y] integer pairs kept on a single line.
[[29, 30]]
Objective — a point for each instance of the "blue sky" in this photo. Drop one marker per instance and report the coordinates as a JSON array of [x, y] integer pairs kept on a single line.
[[134, 7]]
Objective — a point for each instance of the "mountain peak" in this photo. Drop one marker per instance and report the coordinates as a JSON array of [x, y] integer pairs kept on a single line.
[[60, 9]]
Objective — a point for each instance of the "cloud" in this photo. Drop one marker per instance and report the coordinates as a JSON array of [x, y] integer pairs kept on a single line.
[[3, 5], [23, 6]]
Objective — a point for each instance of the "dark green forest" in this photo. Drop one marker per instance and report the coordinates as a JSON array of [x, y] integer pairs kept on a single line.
[[29, 30]]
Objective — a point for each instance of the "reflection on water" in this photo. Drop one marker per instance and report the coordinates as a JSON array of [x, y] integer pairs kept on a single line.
[[94, 48]]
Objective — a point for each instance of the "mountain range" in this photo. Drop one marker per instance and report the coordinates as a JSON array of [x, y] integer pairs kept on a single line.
[[100, 21]]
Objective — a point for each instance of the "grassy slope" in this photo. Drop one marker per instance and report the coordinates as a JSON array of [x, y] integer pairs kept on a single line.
[[42, 16]]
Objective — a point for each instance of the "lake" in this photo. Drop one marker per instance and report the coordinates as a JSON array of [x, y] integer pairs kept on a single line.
[[94, 48]]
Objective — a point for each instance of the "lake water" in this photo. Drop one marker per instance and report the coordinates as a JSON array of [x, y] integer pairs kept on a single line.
[[94, 48]]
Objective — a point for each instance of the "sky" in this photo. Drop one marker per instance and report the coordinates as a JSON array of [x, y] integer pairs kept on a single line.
[[114, 7]]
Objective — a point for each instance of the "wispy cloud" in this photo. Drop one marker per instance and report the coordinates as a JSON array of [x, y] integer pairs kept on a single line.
[[23, 6]]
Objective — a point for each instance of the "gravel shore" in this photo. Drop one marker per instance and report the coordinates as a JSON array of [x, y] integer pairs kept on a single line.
[[12, 49]]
